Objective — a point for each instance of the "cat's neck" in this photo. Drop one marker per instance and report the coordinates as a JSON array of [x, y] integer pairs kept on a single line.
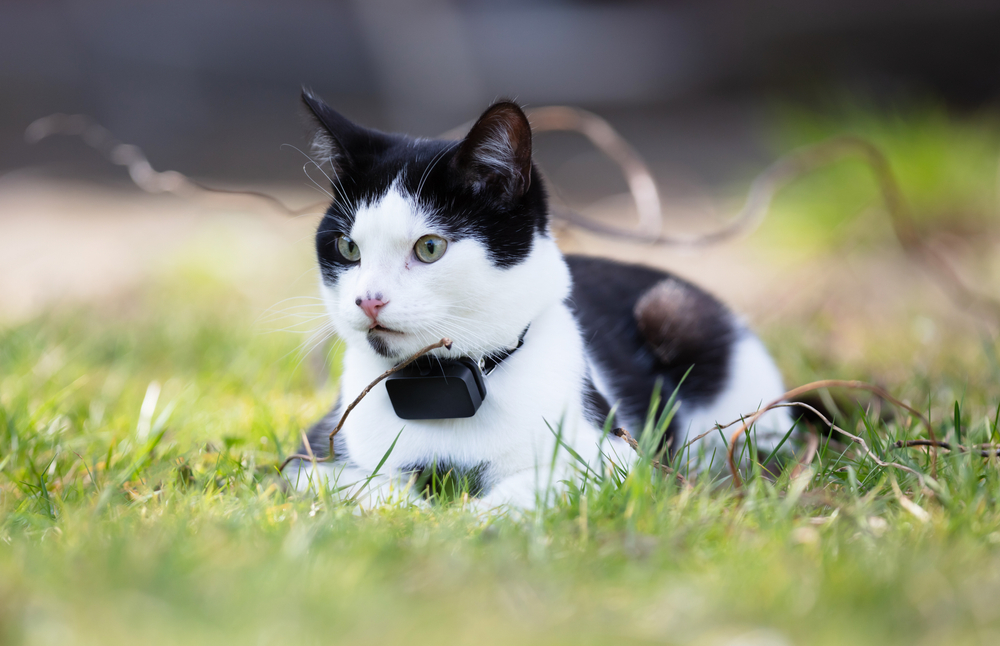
[[487, 358]]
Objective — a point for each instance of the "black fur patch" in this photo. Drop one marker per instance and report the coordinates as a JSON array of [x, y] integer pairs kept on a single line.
[[502, 206], [319, 437], [698, 333], [379, 345], [444, 481], [595, 406]]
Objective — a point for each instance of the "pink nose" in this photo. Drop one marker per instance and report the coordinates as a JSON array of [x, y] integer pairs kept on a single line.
[[371, 306]]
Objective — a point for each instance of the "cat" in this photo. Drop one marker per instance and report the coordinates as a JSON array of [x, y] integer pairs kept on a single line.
[[430, 238]]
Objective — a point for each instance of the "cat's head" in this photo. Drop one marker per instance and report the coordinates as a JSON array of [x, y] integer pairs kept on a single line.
[[428, 238]]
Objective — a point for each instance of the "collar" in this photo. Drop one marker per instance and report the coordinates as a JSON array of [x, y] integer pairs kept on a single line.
[[432, 388], [490, 361]]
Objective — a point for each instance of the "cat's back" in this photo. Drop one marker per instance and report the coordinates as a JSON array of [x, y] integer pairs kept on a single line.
[[642, 326]]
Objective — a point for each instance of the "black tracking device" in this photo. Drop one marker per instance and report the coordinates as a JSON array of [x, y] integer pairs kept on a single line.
[[432, 388]]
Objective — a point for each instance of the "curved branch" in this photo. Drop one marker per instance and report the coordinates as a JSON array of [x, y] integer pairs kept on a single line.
[[817, 385], [984, 450], [135, 161]]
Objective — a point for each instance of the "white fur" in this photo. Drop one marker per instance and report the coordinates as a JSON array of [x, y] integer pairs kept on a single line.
[[481, 308]]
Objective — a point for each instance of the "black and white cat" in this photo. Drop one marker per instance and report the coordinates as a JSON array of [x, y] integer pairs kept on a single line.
[[429, 239]]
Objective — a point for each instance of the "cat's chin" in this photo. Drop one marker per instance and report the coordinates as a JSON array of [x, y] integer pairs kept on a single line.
[[381, 341]]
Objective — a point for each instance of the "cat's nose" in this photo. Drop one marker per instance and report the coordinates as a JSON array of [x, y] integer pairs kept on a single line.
[[371, 306]]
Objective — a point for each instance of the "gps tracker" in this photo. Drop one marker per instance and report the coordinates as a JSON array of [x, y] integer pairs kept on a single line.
[[432, 388]]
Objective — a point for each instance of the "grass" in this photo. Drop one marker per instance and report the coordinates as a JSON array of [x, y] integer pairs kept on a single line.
[[139, 504], [116, 530]]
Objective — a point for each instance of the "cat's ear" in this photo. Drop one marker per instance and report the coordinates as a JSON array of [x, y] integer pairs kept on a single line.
[[335, 135], [496, 154]]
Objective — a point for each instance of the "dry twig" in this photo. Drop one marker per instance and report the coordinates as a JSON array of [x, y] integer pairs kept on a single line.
[[641, 183], [134, 160], [831, 383], [762, 191], [859, 441], [722, 427], [812, 445], [985, 450], [625, 435]]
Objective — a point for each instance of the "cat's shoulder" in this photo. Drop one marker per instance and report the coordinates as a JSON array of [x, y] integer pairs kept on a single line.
[[670, 312]]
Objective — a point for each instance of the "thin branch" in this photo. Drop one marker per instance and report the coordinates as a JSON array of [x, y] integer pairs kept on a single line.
[[830, 383], [812, 445], [721, 427], [135, 161], [625, 435], [445, 343], [641, 183], [858, 440], [642, 186], [984, 450]]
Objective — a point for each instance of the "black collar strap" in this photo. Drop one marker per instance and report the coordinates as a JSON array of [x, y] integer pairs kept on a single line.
[[490, 361]]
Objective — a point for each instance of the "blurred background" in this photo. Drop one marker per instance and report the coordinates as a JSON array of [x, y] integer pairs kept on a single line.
[[210, 86], [708, 92]]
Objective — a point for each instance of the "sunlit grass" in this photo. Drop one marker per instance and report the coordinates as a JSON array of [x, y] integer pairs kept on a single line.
[[118, 530]]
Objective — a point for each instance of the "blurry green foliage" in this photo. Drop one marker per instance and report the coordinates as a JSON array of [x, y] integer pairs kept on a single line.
[[946, 165]]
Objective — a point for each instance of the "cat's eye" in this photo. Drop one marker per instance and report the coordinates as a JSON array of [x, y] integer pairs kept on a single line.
[[430, 248], [348, 249]]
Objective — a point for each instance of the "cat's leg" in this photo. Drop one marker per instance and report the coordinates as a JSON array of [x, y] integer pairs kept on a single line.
[[754, 381], [522, 491], [341, 476], [349, 482], [543, 485]]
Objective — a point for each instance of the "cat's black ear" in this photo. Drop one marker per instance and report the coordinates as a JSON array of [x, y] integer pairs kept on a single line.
[[335, 135], [496, 154]]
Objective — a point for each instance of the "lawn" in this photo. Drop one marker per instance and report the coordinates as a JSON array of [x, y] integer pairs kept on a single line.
[[139, 500]]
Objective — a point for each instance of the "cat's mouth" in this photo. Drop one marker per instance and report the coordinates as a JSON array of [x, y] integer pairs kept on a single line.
[[381, 328]]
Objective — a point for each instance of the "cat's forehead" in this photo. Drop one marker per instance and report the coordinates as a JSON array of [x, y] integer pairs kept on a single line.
[[392, 216], [411, 168]]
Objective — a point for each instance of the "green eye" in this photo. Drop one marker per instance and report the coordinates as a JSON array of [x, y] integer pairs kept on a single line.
[[348, 249], [430, 248]]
